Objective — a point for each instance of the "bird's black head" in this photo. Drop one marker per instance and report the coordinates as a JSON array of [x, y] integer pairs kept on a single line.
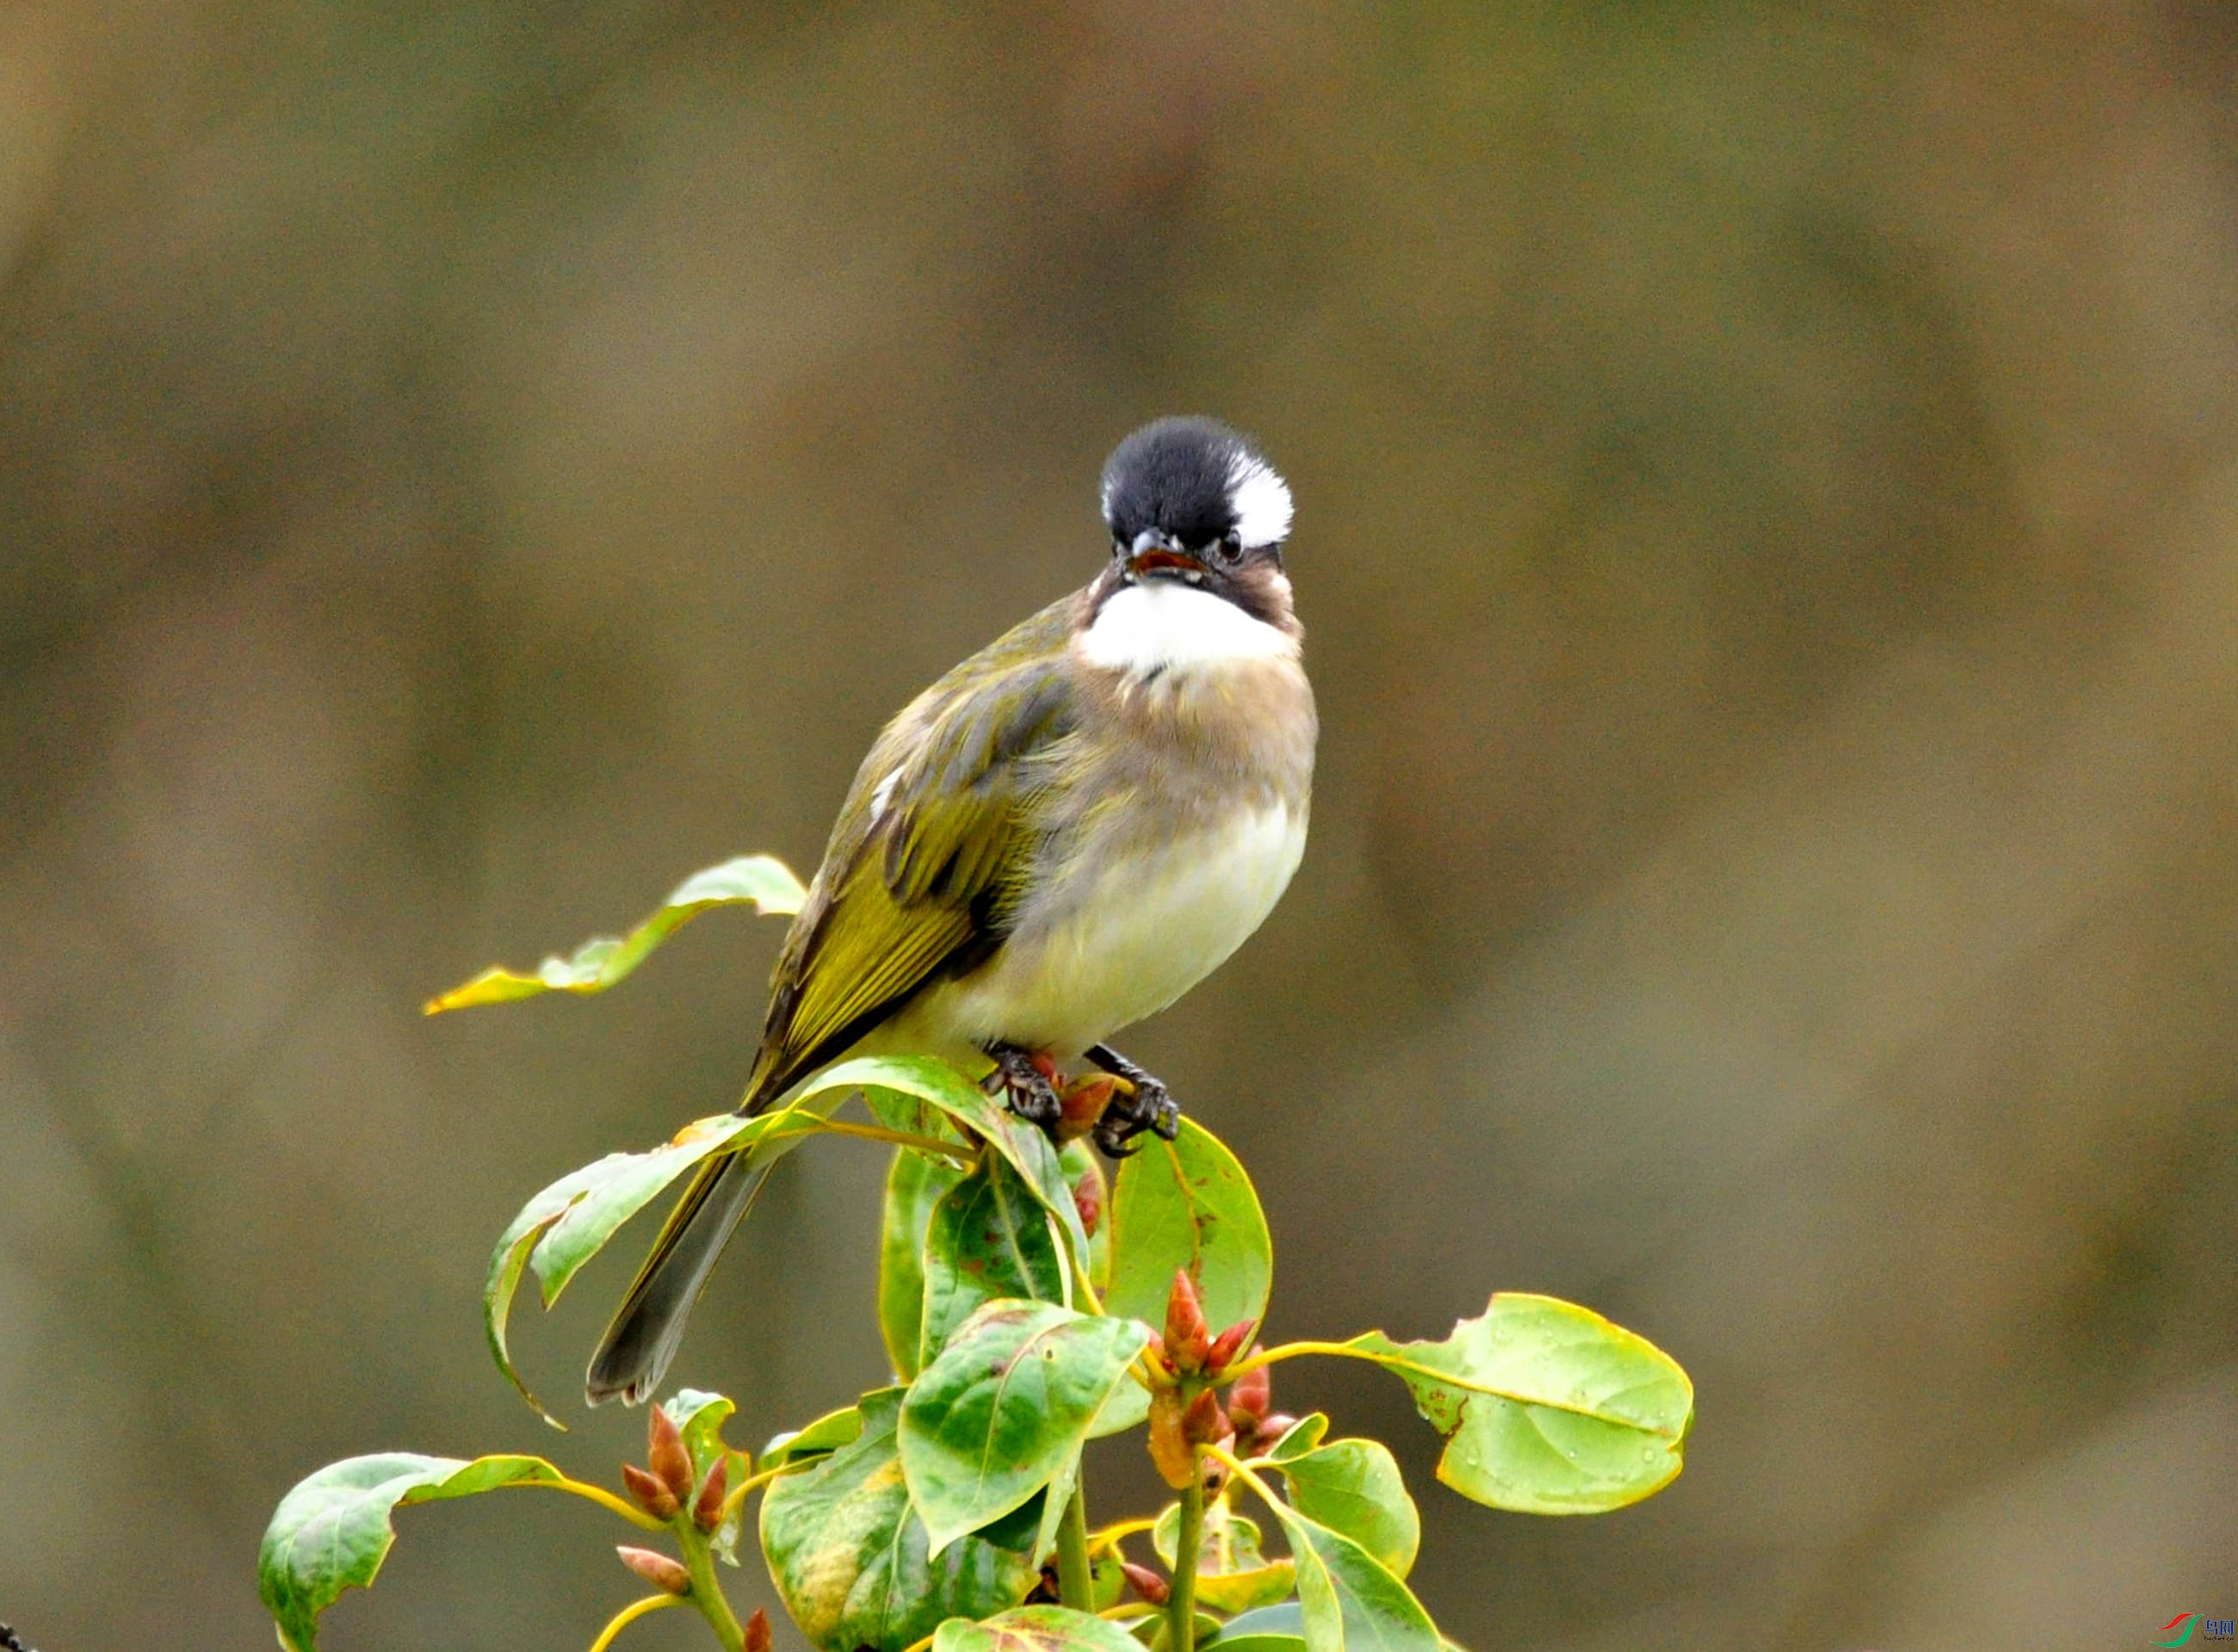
[[1188, 484], [1191, 500]]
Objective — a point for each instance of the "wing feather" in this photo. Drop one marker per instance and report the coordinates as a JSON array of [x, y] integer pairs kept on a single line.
[[921, 884]]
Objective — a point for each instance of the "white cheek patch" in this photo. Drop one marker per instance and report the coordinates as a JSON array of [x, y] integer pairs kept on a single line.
[[1158, 625], [1260, 500]]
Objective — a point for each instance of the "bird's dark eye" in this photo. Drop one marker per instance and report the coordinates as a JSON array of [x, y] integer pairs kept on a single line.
[[1230, 549]]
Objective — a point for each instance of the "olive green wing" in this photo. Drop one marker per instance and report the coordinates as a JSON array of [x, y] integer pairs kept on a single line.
[[923, 869]]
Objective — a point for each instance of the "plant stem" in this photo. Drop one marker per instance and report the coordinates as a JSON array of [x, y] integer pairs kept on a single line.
[[604, 1498], [630, 1614], [1075, 1580], [706, 1590], [1181, 1605]]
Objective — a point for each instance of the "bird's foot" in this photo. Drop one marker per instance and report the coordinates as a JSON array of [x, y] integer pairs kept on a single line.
[[1142, 1103], [1027, 1084]]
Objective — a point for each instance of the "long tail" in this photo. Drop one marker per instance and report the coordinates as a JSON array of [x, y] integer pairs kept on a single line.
[[633, 1355]]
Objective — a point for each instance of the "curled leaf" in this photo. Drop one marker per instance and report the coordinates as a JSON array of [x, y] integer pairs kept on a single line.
[[333, 1531], [763, 881]]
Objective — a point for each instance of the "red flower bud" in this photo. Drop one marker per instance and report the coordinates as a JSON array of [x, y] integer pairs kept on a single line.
[[1147, 1583], [1170, 1447], [651, 1492], [1253, 1393], [1081, 1104], [1228, 1345], [1273, 1427], [1188, 1339], [1204, 1422], [759, 1635], [656, 1569], [666, 1455], [707, 1511], [1088, 1199]]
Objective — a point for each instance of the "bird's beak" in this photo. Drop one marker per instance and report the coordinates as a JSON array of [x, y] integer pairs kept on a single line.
[[1156, 553], [1162, 561]]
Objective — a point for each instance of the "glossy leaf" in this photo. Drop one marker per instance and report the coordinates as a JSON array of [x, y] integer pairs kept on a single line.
[[1233, 1575], [915, 1183], [965, 1104], [826, 1434], [1005, 1409], [568, 1222], [1547, 1407], [1280, 1627], [851, 1555], [563, 1226], [1354, 1487], [1034, 1628], [1349, 1601], [989, 1238], [762, 882], [1301, 1436], [1187, 1204], [333, 1531]]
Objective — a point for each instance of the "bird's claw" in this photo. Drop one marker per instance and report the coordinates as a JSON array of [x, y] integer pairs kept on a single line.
[[1142, 1103], [1025, 1087]]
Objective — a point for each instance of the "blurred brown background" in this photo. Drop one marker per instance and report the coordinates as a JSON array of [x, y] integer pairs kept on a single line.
[[1768, 527]]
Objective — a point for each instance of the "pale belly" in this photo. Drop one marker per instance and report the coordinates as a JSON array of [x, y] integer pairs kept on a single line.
[[1149, 929]]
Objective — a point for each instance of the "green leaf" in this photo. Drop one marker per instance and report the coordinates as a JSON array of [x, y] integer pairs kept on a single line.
[[1005, 1409], [765, 883], [1280, 1627], [1547, 1407], [1024, 1145], [1354, 1487], [828, 1433], [989, 1238], [1187, 1204], [1350, 1601], [567, 1224], [1034, 1628], [1301, 1436], [849, 1554], [1109, 1580], [333, 1531], [915, 1183], [1232, 1575], [563, 1226]]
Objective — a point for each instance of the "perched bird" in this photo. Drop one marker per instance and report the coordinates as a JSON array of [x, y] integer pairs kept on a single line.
[[1060, 837]]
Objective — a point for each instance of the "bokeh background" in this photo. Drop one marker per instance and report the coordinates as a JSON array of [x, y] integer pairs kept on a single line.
[[1768, 527]]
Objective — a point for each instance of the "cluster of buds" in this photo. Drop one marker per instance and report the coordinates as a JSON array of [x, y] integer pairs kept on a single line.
[[1251, 1413], [1188, 1348], [1186, 1364], [666, 1488]]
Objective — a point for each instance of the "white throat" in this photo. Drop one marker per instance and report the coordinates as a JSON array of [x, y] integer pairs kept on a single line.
[[1161, 624]]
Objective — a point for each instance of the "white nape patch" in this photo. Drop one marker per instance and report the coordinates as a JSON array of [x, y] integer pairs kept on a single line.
[[1260, 500], [1160, 624]]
